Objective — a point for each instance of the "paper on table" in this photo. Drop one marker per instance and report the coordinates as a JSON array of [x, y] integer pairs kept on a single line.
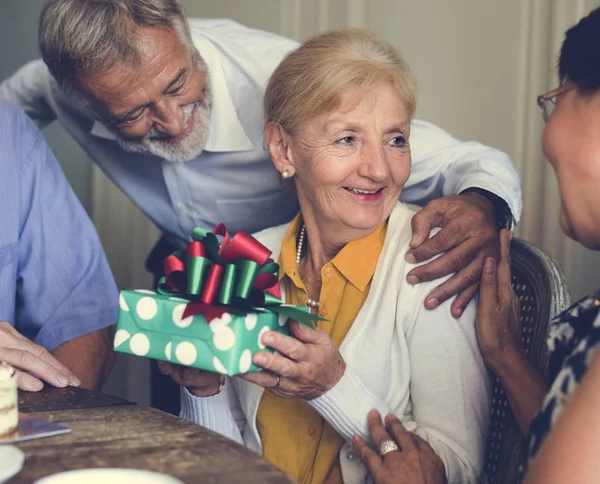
[[34, 428]]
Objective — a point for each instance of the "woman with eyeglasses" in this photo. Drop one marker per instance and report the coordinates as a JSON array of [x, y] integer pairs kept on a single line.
[[563, 419]]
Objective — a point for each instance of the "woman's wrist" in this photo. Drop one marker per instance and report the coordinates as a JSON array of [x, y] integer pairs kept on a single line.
[[207, 391], [510, 363]]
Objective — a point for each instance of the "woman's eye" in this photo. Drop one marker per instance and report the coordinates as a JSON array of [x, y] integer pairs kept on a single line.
[[398, 141], [346, 141]]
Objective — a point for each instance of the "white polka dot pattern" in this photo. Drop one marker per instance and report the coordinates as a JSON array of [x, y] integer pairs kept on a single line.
[[250, 321], [263, 330], [178, 317], [186, 353], [121, 336], [245, 361], [224, 338], [219, 366], [123, 304], [139, 344], [218, 323], [168, 350], [146, 308]]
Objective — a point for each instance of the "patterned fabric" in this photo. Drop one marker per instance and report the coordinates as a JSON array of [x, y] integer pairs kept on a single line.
[[573, 337]]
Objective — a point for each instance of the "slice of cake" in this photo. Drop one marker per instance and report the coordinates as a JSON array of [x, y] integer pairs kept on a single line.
[[9, 412]]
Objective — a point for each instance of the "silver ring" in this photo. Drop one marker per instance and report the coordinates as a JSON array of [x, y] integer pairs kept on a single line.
[[278, 382], [387, 447]]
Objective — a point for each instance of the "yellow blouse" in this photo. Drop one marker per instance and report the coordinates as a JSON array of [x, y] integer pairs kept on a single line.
[[294, 436]]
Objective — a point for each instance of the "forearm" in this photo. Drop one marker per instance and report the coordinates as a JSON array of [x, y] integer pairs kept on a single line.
[[524, 387], [90, 357], [444, 166], [346, 413]]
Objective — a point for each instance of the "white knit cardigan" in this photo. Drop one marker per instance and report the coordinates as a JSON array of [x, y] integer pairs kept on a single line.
[[423, 366]]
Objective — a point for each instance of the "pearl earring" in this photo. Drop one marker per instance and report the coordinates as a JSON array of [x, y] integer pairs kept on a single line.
[[286, 173]]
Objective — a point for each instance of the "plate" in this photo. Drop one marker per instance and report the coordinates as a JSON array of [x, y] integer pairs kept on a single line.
[[112, 475], [11, 462], [34, 428]]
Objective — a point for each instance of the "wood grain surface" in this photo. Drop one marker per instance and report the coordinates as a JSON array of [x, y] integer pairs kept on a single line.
[[137, 437]]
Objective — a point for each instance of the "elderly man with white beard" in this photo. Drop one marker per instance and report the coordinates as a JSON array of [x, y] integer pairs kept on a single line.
[[171, 110]]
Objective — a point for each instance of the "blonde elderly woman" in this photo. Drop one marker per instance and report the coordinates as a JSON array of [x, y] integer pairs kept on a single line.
[[338, 119]]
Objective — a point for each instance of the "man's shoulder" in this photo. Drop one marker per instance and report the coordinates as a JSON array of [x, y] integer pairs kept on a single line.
[[255, 51], [12, 116], [17, 133]]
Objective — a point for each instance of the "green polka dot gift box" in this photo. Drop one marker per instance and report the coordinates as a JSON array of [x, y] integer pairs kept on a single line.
[[217, 299]]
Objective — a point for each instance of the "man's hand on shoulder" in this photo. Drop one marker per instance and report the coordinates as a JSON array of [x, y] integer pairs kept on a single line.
[[33, 363], [468, 235]]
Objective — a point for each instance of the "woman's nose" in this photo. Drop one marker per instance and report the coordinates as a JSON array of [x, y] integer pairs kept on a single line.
[[169, 118], [374, 164]]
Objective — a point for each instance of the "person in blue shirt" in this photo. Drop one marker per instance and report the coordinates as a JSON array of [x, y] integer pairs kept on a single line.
[[58, 299]]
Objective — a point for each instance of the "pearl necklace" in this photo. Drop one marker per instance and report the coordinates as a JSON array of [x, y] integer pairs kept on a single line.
[[311, 303]]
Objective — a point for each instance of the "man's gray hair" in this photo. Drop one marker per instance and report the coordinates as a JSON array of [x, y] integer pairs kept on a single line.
[[86, 37]]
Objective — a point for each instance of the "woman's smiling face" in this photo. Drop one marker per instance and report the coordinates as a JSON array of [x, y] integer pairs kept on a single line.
[[351, 164]]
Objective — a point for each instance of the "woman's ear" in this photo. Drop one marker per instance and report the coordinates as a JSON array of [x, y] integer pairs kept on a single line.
[[278, 144]]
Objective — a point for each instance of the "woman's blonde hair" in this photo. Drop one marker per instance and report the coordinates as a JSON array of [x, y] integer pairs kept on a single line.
[[312, 79]]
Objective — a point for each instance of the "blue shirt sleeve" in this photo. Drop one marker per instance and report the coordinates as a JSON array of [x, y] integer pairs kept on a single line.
[[65, 288]]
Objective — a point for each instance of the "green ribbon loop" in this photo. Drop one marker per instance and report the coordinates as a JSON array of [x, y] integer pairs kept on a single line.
[[239, 290], [197, 269]]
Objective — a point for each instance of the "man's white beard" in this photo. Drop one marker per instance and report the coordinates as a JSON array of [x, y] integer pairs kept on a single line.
[[186, 149]]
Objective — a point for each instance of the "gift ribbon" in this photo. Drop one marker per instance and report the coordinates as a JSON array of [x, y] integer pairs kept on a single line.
[[236, 275]]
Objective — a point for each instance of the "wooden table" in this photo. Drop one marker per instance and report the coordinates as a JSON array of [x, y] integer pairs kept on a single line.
[[111, 432]]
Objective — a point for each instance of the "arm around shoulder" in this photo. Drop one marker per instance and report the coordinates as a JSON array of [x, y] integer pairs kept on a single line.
[[443, 166]]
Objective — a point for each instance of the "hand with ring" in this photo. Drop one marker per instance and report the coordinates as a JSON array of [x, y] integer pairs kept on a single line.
[[307, 365], [403, 456]]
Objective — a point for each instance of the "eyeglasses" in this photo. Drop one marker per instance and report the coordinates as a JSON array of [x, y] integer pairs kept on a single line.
[[547, 101]]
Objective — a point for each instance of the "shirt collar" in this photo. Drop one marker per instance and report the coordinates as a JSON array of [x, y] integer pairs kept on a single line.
[[356, 261], [226, 132]]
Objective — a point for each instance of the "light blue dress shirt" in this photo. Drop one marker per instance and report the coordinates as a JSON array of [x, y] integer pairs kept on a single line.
[[233, 180], [55, 283]]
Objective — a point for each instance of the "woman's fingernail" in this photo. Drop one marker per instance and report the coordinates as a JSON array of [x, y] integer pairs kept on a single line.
[[259, 360], [267, 339], [432, 303], [412, 279], [75, 382]]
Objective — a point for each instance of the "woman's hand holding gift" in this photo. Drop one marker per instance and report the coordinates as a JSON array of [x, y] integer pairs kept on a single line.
[[309, 364], [199, 383]]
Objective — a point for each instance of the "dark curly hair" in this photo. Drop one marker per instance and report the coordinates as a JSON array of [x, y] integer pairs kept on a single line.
[[579, 60]]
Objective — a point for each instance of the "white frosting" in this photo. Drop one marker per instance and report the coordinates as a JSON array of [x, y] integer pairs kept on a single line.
[[9, 420], [7, 372]]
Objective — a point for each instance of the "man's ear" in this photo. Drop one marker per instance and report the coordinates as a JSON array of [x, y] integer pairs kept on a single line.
[[278, 144]]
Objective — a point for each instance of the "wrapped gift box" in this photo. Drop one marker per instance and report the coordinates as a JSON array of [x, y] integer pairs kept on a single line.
[[152, 325], [217, 299]]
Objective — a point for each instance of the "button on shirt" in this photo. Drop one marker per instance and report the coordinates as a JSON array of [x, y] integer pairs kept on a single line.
[[294, 436], [233, 180], [55, 283]]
